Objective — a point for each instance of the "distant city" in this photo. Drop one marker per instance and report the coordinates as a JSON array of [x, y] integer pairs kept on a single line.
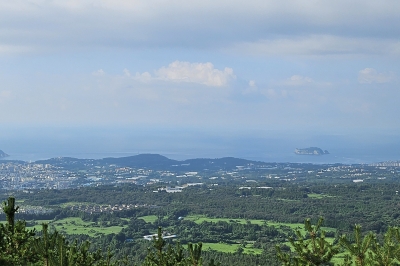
[[173, 175]]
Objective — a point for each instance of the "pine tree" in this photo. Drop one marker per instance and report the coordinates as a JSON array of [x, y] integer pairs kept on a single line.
[[20, 247], [45, 246], [15, 240], [315, 250], [9, 209], [388, 253], [164, 254], [360, 248], [195, 254]]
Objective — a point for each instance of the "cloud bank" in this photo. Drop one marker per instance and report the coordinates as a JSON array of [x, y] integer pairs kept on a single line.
[[256, 26], [370, 75], [255, 64], [202, 73]]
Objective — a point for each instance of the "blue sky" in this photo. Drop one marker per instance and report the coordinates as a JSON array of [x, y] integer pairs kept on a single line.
[[218, 66]]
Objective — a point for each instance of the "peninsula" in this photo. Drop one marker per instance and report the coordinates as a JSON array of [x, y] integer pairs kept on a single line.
[[310, 151], [3, 154]]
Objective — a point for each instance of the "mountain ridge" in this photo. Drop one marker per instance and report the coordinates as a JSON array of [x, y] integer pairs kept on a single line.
[[154, 161]]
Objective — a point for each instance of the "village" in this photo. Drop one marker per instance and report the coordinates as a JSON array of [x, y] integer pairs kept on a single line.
[[29, 177]]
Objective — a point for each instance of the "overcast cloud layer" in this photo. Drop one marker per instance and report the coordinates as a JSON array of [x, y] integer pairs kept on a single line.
[[229, 65]]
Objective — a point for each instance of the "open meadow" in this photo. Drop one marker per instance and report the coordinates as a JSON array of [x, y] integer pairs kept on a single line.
[[75, 225]]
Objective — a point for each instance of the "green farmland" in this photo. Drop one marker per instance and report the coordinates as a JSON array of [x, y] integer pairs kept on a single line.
[[75, 225], [230, 248]]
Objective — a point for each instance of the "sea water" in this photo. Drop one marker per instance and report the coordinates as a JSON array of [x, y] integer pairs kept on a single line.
[[189, 144]]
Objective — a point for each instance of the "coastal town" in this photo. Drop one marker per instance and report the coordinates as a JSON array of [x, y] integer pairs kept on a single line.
[[63, 173]]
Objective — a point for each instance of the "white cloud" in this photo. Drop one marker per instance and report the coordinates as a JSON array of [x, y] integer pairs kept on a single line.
[[143, 77], [251, 89], [370, 75], [66, 38], [297, 80], [14, 49], [126, 72], [202, 73], [176, 83], [319, 45], [177, 71], [99, 72], [269, 26]]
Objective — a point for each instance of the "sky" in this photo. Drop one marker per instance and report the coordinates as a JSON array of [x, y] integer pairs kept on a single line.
[[223, 67]]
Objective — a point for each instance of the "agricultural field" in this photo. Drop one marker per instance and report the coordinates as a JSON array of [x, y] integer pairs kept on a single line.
[[73, 203], [75, 225], [149, 218], [294, 226], [319, 196], [231, 248], [201, 218], [252, 224]]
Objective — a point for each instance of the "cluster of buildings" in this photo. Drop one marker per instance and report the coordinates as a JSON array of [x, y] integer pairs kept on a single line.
[[175, 189], [91, 208], [25, 176]]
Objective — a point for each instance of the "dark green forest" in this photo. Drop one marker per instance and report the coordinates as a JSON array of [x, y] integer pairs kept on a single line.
[[359, 226]]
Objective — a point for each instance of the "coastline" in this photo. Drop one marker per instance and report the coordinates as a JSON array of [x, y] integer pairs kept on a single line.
[[278, 157]]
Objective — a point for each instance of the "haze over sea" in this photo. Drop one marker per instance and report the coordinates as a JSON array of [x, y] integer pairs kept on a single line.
[[181, 144]]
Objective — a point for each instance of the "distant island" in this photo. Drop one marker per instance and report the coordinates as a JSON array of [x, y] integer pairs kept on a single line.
[[3, 154], [310, 151]]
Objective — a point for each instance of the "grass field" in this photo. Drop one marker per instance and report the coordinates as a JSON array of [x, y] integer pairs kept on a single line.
[[294, 226], [149, 218], [230, 248], [288, 200], [201, 218], [74, 203], [75, 225], [319, 196]]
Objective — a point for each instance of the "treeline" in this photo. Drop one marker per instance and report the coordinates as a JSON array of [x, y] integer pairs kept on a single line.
[[22, 247], [357, 249], [374, 206], [371, 205]]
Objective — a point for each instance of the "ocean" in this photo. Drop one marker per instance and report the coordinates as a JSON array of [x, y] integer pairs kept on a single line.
[[279, 157], [189, 144]]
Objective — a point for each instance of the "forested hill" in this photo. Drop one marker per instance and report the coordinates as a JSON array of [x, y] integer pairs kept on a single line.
[[155, 162]]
